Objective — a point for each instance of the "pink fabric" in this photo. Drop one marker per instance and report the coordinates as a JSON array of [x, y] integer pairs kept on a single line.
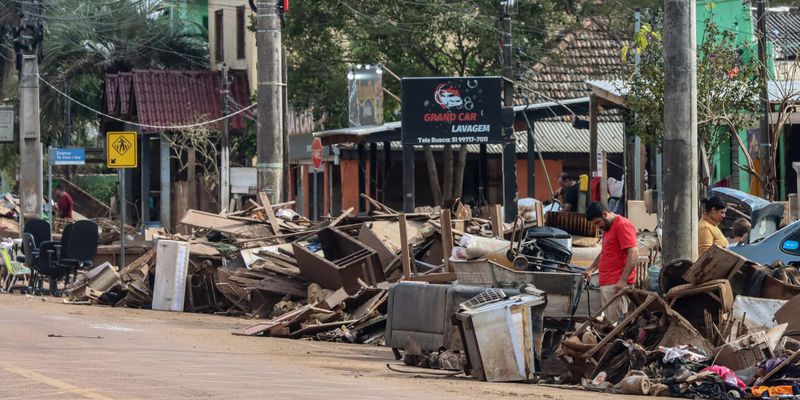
[[727, 375]]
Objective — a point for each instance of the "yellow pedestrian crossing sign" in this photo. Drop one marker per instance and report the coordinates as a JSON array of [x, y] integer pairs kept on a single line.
[[121, 150]]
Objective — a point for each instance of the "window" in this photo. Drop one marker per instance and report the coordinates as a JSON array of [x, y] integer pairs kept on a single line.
[[219, 49], [240, 30]]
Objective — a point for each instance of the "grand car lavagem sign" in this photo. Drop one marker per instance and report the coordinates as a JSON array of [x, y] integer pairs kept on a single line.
[[452, 110]]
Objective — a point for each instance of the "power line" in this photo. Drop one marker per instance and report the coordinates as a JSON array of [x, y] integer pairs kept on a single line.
[[160, 127]]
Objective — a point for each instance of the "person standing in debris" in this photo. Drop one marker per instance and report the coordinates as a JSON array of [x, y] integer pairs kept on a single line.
[[708, 233], [741, 229], [64, 205], [617, 260], [568, 194]]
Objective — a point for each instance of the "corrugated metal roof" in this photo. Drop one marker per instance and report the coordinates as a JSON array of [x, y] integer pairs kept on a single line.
[[783, 30], [360, 130], [174, 97], [777, 89], [551, 137]]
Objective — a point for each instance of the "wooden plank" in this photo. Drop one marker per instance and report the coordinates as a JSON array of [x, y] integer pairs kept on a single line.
[[213, 222], [539, 214], [447, 239], [442, 277], [341, 217], [405, 255], [497, 220], [273, 221]]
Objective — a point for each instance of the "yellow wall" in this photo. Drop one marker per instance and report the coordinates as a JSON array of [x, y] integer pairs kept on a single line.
[[248, 63]]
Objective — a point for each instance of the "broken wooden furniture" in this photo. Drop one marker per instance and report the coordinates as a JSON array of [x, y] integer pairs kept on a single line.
[[650, 323], [704, 306], [344, 263]]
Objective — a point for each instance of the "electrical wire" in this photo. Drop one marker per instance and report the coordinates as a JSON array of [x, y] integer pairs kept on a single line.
[[160, 127]]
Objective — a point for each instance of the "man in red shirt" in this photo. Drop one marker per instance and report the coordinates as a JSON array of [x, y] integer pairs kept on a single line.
[[64, 205], [617, 259]]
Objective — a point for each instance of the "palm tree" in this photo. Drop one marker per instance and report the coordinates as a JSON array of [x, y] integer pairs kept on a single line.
[[85, 40]]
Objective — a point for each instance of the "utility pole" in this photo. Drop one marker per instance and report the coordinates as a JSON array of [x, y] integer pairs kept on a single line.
[[637, 141], [67, 122], [509, 139], [225, 153], [28, 45], [763, 126], [269, 161], [680, 131]]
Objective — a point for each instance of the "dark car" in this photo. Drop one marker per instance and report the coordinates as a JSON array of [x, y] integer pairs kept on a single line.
[[763, 215], [783, 245]]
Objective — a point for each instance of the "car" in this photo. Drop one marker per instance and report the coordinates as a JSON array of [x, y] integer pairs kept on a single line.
[[764, 216], [783, 246], [450, 100]]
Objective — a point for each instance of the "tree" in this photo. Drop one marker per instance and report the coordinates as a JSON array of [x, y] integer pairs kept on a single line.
[[84, 40], [414, 38], [727, 85]]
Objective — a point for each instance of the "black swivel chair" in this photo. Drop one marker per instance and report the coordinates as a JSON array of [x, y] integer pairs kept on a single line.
[[40, 231], [45, 263], [80, 249], [45, 266]]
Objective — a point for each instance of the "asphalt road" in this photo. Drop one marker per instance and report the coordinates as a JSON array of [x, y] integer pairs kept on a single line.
[[55, 350]]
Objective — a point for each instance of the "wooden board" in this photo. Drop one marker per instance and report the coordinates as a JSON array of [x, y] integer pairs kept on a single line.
[[213, 222], [405, 253], [447, 240], [273, 221]]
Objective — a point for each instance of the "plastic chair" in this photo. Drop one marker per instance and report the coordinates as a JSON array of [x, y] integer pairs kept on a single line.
[[14, 270]]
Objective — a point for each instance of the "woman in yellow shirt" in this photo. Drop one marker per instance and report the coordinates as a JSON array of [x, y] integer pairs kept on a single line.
[[708, 229]]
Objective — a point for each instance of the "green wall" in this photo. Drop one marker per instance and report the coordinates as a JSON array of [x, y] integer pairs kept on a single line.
[[734, 16]]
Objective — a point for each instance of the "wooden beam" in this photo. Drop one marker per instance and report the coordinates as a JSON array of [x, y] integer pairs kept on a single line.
[[594, 110], [497, 220], [273, 221], [441, 277], [192, 178], [405, 250], [604, 177], [447, 239]]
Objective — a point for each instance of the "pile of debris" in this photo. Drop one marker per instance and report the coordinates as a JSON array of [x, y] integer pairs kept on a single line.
[[327, 280], [725, 328]]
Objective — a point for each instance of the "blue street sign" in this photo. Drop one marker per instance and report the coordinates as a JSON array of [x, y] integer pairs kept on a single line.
[[75, 156]]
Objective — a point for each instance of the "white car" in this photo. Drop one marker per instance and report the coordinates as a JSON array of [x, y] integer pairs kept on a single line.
[[450, 100]]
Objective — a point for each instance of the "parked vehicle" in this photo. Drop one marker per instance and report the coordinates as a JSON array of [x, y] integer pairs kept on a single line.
[[764, 216], [783, 245]]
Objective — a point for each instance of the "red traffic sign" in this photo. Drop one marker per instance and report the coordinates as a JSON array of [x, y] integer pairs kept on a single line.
[[316, 152]]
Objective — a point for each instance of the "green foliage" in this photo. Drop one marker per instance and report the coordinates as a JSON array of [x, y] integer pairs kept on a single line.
[[101, 187], [727, 85], [84, 40], [325, 38]]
